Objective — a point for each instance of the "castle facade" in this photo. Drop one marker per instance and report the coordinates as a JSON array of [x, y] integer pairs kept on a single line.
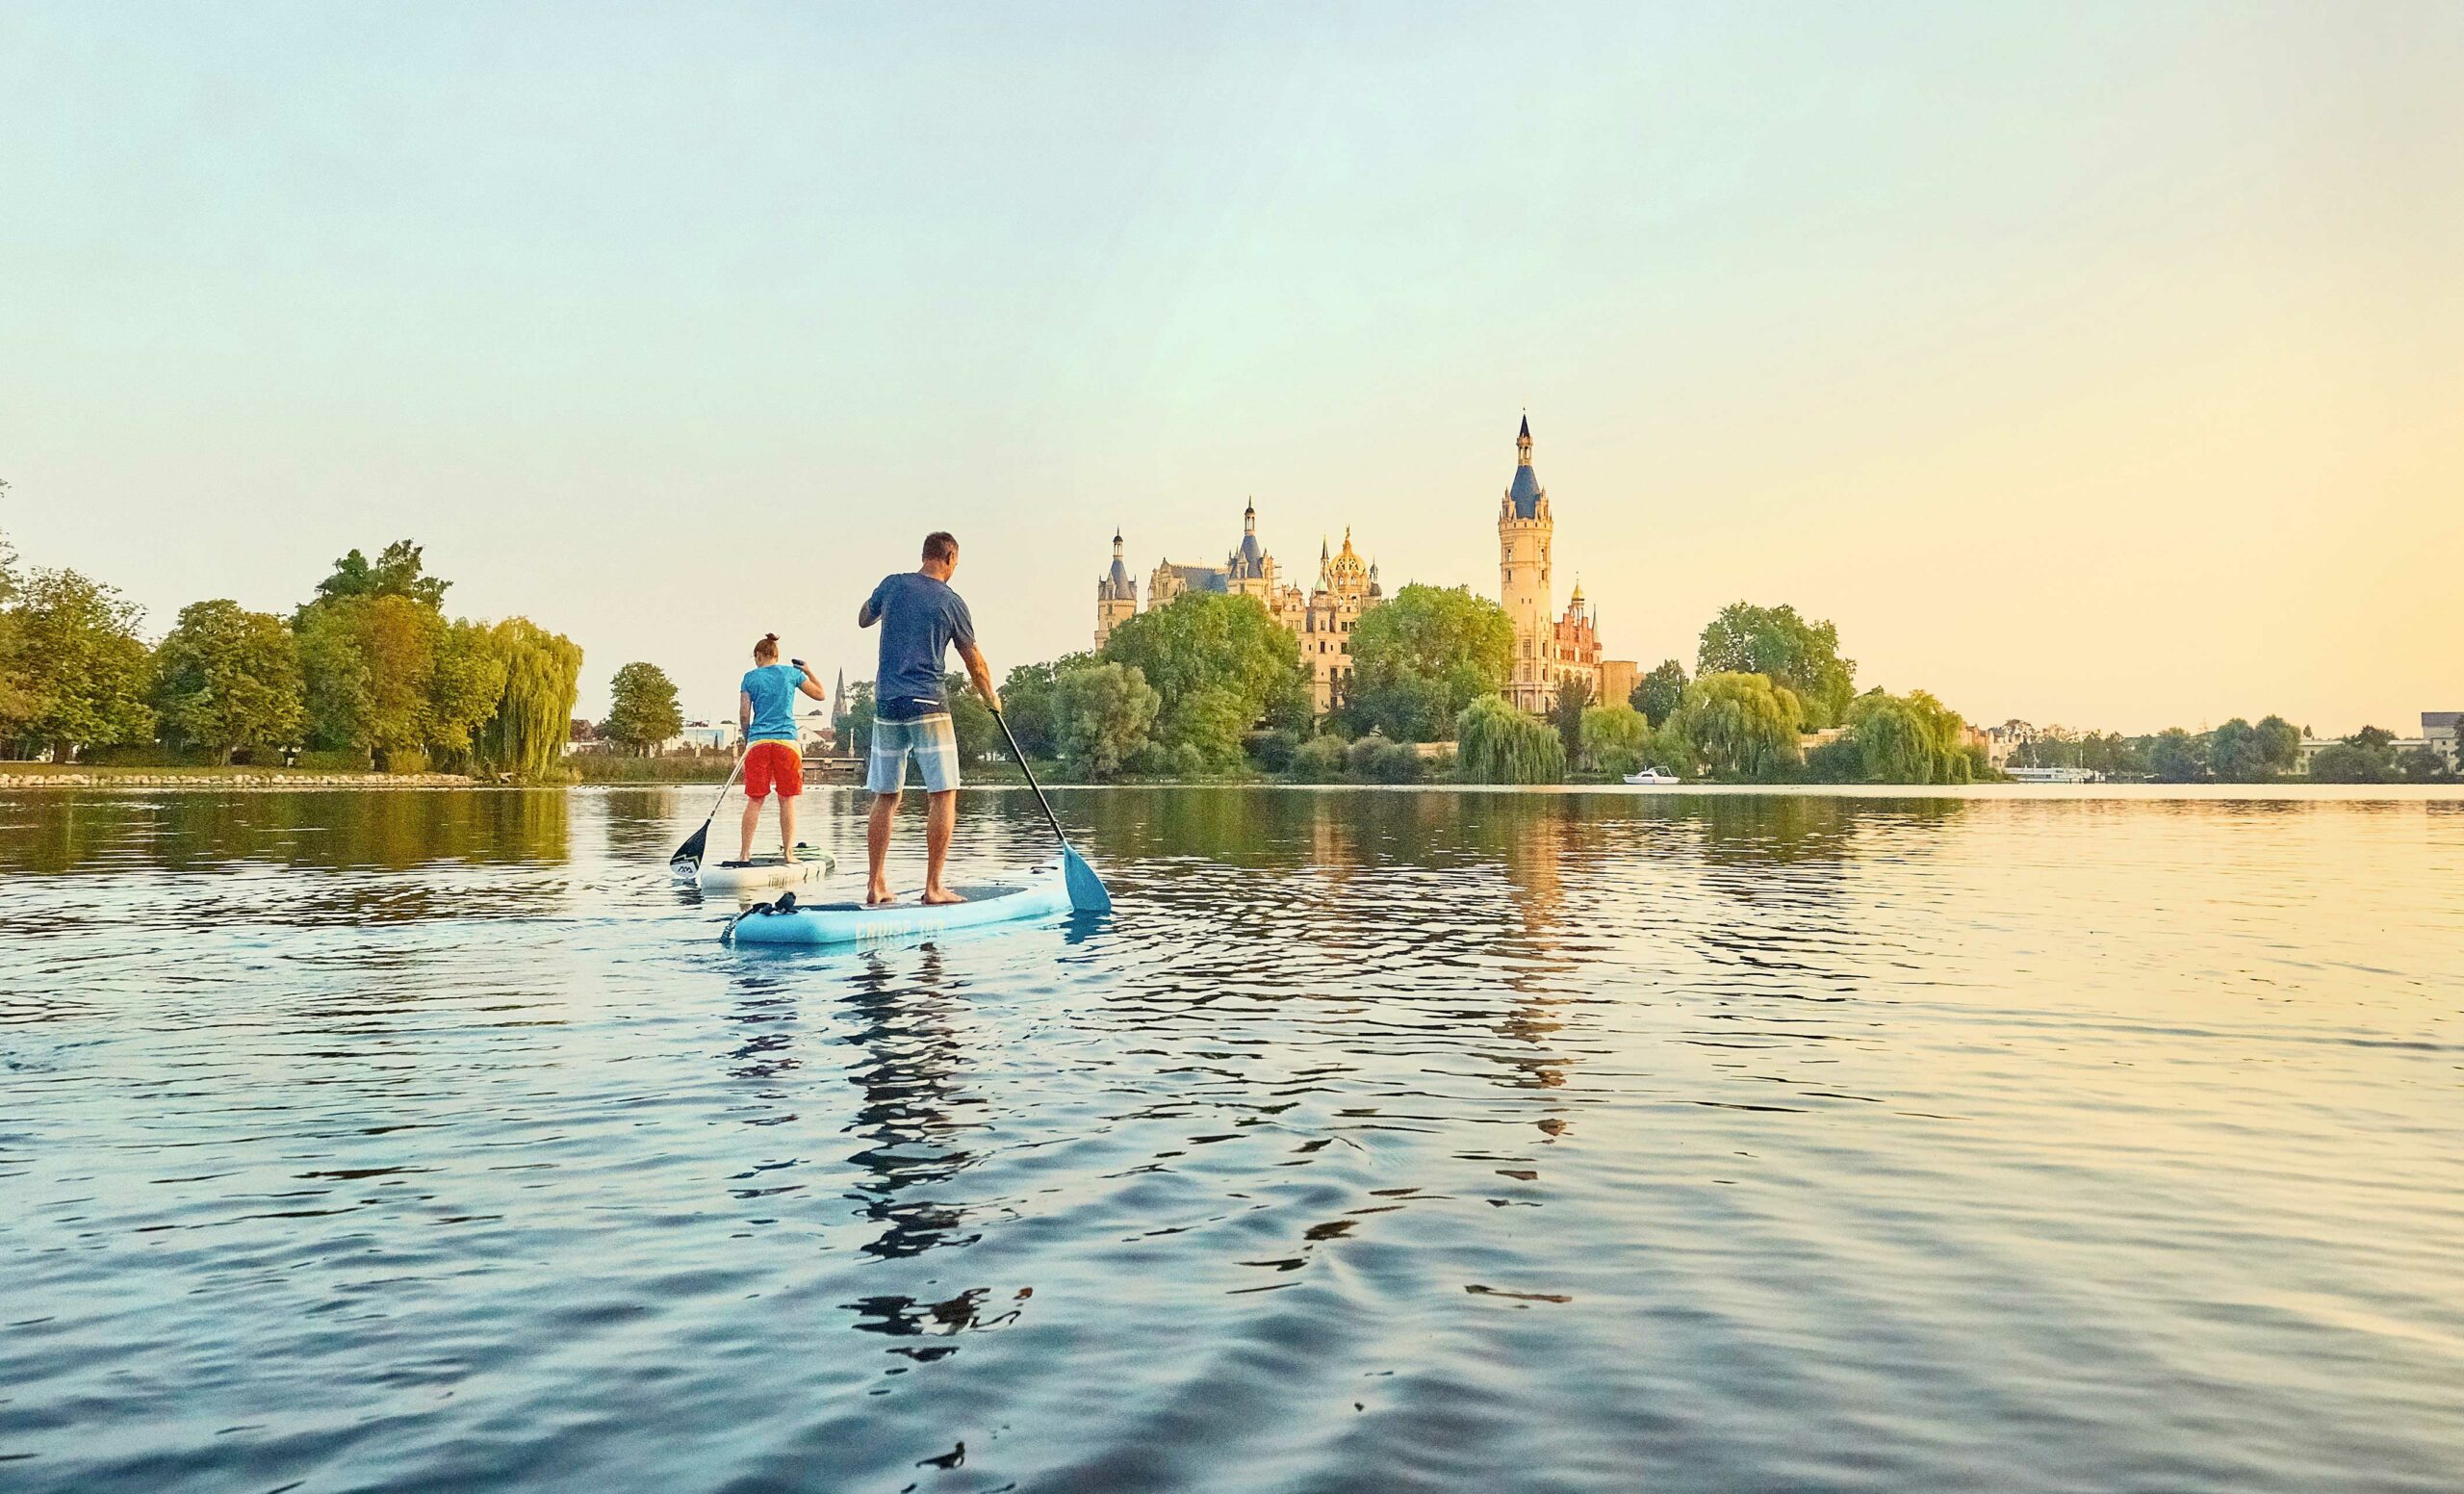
[[1551, 648], [1321, 618]]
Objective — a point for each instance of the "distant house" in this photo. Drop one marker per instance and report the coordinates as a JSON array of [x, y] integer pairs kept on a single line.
[[582, 737], [701, 737]]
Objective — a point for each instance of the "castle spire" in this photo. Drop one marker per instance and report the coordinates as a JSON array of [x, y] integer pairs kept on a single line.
[[1250, 518], [1523, 443]]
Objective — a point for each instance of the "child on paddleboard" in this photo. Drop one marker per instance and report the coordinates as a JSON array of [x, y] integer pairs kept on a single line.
[[773, 763]]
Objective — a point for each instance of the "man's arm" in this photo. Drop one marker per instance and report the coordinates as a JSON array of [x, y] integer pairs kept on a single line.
[[981, 673]]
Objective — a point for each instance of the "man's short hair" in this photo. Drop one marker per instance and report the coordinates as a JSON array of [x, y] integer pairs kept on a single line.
[[941, 545]]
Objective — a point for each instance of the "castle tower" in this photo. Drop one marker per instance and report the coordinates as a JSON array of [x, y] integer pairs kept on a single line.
[[1115, 596], [1523, 532]]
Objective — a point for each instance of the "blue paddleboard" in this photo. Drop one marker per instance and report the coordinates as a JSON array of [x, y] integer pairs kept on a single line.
[[1041, 893]]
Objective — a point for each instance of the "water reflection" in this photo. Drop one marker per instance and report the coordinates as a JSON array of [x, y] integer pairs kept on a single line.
[[392, 830]]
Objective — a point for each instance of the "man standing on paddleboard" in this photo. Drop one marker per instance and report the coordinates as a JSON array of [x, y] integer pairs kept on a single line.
[[921, 617]]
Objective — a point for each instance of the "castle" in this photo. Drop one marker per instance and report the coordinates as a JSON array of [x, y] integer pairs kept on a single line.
[[1321, 619], [1549, 649]]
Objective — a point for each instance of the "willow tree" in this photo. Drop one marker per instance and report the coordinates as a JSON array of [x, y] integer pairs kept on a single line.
[[1494, 743], [534, 717], [1740, 725]]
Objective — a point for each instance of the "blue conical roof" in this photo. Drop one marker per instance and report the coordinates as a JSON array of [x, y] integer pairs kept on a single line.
[[1525, 492]]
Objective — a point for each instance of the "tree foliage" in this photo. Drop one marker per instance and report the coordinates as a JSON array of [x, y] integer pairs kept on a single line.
[[1910, 738], [1658, 694], [643, 710], [2366, 757], [398, 570], [1740, 725], [1800, 655], [2176, 756], [1494, 743], [369, 665], [228, 679], [525, 736], [2240, 753], [1422, 655], [1101, 715], [1027, 702], [79, 672], [1615, 739], [1565, 714], [1210, 656]]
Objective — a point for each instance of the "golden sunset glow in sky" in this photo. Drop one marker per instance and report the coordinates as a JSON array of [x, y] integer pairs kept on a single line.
[[2091, 364]]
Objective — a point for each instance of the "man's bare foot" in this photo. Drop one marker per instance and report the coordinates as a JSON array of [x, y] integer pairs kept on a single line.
[[879, 895], [937, 897]]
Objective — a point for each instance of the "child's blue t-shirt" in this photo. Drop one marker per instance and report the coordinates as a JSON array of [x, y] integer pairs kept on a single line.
[[773, 689]]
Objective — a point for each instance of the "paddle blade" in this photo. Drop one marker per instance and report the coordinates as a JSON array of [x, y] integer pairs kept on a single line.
[[1086, 892], [690, 852]]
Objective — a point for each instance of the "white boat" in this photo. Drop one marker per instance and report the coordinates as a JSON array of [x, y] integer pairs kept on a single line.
[[763, 872], [1651, 775]]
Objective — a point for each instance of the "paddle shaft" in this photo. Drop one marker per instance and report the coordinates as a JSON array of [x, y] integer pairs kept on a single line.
[[704, 834], [1049, 818]]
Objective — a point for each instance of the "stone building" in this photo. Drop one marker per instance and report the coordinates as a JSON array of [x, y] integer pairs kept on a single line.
[[1321, 619], [1548, 649]]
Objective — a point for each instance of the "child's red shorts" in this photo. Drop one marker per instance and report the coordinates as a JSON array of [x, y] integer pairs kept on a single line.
[[772, 765]]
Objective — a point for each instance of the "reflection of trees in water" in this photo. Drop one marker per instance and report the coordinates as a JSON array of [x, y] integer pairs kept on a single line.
[[393, 829]]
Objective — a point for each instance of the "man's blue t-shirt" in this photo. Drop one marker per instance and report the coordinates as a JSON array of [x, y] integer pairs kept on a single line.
[[920, 618], [772, 689]]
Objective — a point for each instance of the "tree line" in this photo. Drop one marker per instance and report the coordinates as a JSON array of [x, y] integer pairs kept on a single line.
[[367, 672], [1211, 685]]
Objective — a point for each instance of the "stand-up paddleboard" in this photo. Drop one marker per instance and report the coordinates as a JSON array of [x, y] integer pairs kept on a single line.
[[1040, 894], [764, 871]]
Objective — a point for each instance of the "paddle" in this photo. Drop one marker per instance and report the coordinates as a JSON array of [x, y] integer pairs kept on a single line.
[[1086, 892], [689, 854]]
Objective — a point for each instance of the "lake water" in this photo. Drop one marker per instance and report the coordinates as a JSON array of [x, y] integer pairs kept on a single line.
[[1385, 1141]]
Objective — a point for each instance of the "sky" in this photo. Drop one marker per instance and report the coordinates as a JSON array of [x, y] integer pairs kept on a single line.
[[2091, 364]]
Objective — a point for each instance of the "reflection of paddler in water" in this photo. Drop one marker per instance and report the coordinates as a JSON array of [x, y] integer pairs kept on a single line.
[[913, 1115], [773, 763]]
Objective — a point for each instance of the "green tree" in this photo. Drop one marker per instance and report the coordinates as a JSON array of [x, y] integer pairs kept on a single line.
[[227, 678], [2240, 753], [1615, 739], [1740, 725], [971, 720], [369, 664], [856, 720], [82, 670], [1102, 713], [1658, 694], [643, 710], [1422, 655], [1209, 722], [526, 738], [1027, 699], [2279, 744], [1494, 743], [1910, 738], [2176, 756], [1800, 655], [1207, 655], [464, 691], [398, 570], [2366, 757], [1565, 714]]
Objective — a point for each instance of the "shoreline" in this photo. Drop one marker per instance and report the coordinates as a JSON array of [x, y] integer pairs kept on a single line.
[[265, 781]]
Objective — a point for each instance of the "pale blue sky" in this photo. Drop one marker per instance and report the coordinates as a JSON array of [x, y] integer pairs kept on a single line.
[[2099, 364]]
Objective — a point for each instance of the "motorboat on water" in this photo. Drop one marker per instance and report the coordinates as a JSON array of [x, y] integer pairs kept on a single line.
[[1651, 775]]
